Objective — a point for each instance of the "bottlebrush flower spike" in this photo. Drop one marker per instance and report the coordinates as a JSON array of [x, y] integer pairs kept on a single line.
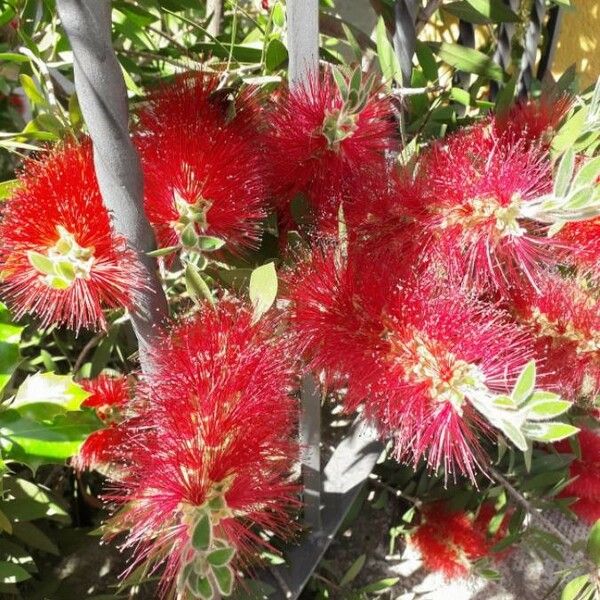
[[474, 192], [416, 357], [109, 397], [565, 319], [586, 470], [212, 456], [449, 542], [533, 122], [328, 140], [59, 256], [203, 165]]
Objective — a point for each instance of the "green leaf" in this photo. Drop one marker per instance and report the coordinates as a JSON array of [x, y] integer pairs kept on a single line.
[[36, 443], [40, 262], [340, 82], [42, 396], [390, 67], [593, 544], [505, 402], [494, 10], [427, 61], [276, 55], [506, 95], [588, 174], [380, 586], [224, 577], [202, 534], [549, 432], [263, 289], [278, 14], [164, 251], [564, 173], [470, 61], [203, 588], [13, 57], [513, 433], [352, 573], [541, 408], [465, 12], [209, 243], [10, 336], [7, 188], [525, 384], [5, 523], [196, 286], [27, 501], [220, 557], [31, 90], [11, 573], [575, 588], [34, 537]]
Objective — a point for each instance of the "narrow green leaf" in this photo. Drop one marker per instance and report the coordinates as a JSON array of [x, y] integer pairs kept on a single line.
[[470, 61], [390, 67], [7, 188], [575, 588], [588, 174], [276, 55], [380, 586], [564, 173], [209, 243], [202, 534], [202, 587], [164, 251], [495, 10], [549, 432], [196, 286], [40, 262], [513, 434], [11, 573], [355, 568], [427, 61], [593, 543], [31, 90], [278, 14], [263, 289], [546, 409], [525, 384]]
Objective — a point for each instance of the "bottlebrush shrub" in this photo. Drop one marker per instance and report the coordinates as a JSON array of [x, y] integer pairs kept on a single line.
[[203, 165], [210, 462], [59, 256], [327, 141], [450, 541], [109, 397]]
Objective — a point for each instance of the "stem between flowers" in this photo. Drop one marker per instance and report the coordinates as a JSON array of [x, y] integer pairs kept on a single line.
[[104, 104]]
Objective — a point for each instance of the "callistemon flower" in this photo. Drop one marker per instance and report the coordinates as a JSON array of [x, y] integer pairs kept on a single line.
[[475, 191], [583, 241], [328, 143], [565, 318], [204, 170], [212, 456], [108, 397], [59, 256], [418, 358], [450, 541], [585, 472], [533, 122]]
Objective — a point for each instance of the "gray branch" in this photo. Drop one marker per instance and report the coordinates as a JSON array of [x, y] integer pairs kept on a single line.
[[103, 98]]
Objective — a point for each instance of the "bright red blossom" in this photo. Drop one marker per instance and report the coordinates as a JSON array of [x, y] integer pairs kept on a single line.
[[474, 194], [320, 148], [450, 541], [216, 443], [59, 256], [203, 168], [586, 487]]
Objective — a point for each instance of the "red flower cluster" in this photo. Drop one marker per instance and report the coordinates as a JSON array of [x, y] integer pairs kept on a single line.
[[450, 541], [586, 473], [211, 459], [108, 397], [203, 165], [59, 256]]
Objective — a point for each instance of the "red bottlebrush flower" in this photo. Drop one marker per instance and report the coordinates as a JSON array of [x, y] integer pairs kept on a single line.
[[59, 256], [475, 191], [212, 453], [449, 541], [533, 122], [586, 487], [416, 357], [327, 148], [108, 397], [566, 321], [203, 167], [583, 239]]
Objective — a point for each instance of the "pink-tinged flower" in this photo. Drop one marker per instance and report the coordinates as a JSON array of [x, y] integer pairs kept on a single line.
[[583, 240], [416, 357], [109, 396], [212, 452], [449, 542], [586, 471], [327, 148], [203, 165], [474, 192], [566, 321], [60, 259], [533, 122]]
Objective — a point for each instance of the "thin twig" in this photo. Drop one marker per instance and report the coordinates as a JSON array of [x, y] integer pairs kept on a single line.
[[395, 491], [86, 350]]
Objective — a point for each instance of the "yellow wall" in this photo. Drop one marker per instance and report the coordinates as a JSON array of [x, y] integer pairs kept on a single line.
[[579, 41]]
